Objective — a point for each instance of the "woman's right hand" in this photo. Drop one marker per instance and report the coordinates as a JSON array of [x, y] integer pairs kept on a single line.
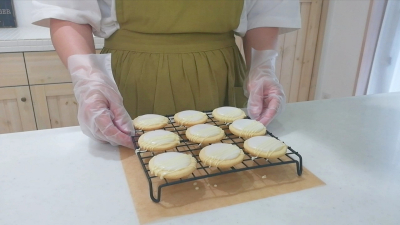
[[101, 113]]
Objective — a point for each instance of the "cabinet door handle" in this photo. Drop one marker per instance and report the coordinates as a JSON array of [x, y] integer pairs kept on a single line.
[[23, 99]]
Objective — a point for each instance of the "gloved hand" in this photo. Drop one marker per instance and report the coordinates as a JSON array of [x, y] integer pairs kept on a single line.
[[101, 113], [265, 95]]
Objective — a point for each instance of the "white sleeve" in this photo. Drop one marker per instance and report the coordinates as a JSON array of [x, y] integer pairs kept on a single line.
[[284, 14], [90, 12]]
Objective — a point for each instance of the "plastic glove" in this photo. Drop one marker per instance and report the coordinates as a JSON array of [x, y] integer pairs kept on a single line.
[[101, 113], [265, 95]]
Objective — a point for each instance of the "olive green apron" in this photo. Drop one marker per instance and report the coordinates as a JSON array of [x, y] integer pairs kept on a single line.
[[174, 55]]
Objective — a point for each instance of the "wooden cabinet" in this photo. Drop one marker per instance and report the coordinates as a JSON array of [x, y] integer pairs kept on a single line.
[[55, 105], [16, 112], [52, 92], [30, 101]]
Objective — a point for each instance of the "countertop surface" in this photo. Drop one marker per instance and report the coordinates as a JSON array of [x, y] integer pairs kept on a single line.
[[60, 176], [30, 38]]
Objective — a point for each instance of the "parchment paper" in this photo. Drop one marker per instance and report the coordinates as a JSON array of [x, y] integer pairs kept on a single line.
[[212, 193]]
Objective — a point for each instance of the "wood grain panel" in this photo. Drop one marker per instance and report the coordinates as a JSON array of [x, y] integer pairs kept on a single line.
[[318, 51], [13, 114], [12, 70], [289, 49], [55, 105], [299, 54], [40, 105], [16, 112], [309, 50], [4, 122], [45, 68], [9, 117], [63, 111], [278, 63]]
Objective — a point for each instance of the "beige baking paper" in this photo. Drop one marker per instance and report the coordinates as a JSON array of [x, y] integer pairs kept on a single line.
[[212, 193]]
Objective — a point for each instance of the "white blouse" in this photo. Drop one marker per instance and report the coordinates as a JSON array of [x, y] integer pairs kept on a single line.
[[101, 14]]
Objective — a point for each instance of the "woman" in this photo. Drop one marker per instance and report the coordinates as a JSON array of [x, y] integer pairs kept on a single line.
[[167, 56]]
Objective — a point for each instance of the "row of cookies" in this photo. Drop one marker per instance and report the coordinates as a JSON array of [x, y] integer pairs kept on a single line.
[[175, 165], [161, 140], [188, 118]]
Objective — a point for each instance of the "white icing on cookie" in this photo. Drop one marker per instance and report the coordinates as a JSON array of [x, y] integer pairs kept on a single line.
[[247, 127], [265, 144], [190, 116], [150, 120], [222, 151], [217, 153], [158, 138], [230, 112], [204, 130], [169, 162]]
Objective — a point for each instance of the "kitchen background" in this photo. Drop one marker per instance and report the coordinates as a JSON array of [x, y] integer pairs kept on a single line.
[[323, 60]]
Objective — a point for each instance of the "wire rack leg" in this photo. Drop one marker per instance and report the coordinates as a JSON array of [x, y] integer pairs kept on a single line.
[[299, 169], [299, 165], [154, 199]]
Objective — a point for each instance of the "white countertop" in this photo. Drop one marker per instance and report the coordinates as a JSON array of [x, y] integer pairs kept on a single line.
[[60, 176], [30, 38]]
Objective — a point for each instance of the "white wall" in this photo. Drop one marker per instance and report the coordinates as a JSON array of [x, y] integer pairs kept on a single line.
[[345, 26]]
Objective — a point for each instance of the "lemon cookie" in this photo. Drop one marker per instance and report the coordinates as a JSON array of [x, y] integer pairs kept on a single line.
[[247, 128], [150, 122], [158, 140], [172, 165], [265, 147], [204, 133], [221, 155], [228, 114], [190, 117]]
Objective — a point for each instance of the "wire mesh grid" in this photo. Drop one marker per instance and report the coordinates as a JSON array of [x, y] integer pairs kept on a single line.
[[202, 170]]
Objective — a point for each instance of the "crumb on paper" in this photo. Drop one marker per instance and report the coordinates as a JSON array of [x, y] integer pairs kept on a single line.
[[195, 183], [215, 185], [196, 188], [208, 185], [263, 177]]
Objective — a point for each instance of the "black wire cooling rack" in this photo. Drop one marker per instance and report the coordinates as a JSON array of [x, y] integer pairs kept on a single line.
[[203, 171]]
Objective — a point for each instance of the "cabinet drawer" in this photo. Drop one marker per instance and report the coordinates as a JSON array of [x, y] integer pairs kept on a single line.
[[45, 68], [12, 70]]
